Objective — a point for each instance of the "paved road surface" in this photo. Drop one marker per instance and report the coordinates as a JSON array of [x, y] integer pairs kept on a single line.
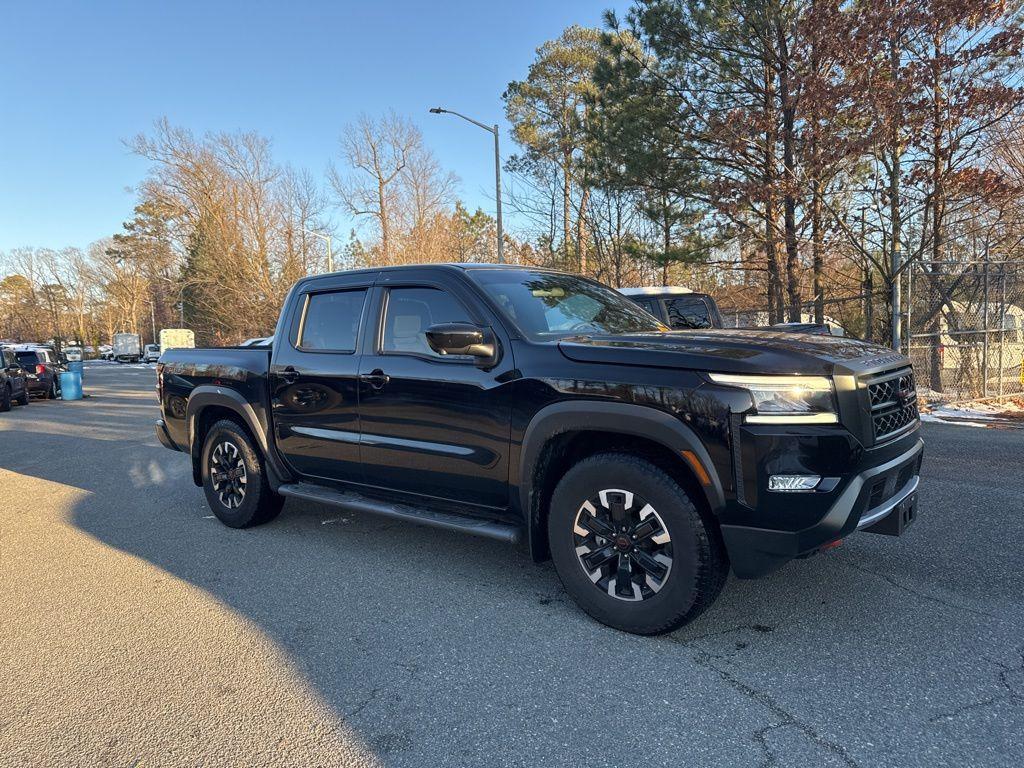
[[135, 630]]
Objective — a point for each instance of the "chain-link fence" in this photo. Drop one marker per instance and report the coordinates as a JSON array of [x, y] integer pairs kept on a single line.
[[965, 328]]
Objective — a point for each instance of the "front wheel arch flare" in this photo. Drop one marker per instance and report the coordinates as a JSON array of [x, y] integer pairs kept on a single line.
[[625, 419]]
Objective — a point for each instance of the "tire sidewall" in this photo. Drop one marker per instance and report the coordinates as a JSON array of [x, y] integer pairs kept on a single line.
[[581, 483], [248, 511], [5, 399]]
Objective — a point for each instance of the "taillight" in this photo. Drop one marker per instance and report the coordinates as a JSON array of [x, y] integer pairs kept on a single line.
[[40, 370]]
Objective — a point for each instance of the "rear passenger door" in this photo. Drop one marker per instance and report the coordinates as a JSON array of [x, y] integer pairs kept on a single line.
[[15, 373], [433, 425], [314, 378]]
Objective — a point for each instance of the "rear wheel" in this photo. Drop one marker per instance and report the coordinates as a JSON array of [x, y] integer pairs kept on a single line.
[[234, 478], [23, 398], [630, 546], [5, 398], [54, 391]]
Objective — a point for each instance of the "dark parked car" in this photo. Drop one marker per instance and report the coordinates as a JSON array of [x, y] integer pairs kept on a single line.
[[525, 403], [678, 308], [13, 381], [43, 370]]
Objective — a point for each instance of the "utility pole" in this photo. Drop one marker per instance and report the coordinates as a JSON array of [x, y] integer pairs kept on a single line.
[[493, 129], [326, 237]]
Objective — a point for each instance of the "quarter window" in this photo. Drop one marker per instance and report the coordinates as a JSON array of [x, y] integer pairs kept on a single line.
[[331, 322], [411, 311]]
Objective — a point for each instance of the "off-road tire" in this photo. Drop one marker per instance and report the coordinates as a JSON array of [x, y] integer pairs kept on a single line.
[[23, 398], [699, 565], [5, 398], [259, 504]]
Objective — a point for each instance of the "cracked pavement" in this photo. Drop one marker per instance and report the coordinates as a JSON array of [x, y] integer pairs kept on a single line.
[[137, 631]]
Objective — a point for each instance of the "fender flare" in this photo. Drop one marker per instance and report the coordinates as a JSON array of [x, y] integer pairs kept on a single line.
[[621, 418], [209, 395]]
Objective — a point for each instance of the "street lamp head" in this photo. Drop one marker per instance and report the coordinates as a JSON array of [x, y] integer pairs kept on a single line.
[[436, 111]]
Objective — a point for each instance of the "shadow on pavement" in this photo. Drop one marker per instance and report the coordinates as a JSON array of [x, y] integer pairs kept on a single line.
[[443, 649]]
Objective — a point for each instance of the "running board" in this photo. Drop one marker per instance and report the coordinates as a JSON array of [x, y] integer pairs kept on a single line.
[[359, 503]]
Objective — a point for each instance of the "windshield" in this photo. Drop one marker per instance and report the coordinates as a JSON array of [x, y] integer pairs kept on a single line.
[[548, 304]]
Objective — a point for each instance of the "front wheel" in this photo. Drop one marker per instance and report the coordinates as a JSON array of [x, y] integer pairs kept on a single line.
[[631, 547], [5, 398], [234, 478]]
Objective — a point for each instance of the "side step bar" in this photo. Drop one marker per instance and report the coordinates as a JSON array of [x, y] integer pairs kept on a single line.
[[359, 503]]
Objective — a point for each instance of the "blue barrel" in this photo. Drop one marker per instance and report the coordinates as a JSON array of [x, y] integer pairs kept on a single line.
[[71, 385], [78, 366]]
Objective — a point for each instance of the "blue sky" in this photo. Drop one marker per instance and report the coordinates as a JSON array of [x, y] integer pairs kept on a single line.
[[76, 79]]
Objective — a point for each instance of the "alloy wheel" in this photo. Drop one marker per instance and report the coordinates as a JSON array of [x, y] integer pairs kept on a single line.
[[623, 545], [227, 472]]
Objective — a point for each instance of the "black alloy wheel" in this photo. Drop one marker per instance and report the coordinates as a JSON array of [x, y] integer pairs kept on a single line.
[[227, 472], [632, 546], [235, 477], [623, 544]]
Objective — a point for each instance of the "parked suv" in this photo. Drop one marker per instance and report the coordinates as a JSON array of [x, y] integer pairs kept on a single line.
[[43, 370], [678, 308], [530, 404], [13, 381]]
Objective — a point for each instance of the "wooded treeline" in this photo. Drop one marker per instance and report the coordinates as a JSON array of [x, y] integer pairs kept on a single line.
[[789, 156]]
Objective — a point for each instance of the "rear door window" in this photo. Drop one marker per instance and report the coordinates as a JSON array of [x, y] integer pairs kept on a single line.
[[688, 312], [331, 321]]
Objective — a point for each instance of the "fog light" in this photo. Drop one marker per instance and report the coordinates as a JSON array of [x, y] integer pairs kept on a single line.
[[793, 482]]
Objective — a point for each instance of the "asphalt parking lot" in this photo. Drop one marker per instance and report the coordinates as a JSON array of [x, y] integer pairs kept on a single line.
[[135, 630]]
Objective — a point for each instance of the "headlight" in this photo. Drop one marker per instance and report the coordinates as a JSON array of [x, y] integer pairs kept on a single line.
[[786, 399]]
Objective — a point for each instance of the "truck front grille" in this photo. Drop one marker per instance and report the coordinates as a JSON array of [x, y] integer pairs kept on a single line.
[[893, 399]]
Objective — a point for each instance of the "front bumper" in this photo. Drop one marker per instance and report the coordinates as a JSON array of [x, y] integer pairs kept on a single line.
[[865, 501]]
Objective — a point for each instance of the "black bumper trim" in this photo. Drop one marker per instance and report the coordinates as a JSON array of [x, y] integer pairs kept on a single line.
[[755, 552], [164, 437]]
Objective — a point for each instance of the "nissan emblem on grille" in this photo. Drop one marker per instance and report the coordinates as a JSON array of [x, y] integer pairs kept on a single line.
[[893, 402]]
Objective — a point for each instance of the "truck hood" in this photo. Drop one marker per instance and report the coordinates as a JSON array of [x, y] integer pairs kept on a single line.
[[733, 351]]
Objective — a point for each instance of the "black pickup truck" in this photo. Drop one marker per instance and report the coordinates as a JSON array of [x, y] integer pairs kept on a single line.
[[531, 404]]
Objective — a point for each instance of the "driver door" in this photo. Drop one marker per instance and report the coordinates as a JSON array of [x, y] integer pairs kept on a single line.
[[431, 424]]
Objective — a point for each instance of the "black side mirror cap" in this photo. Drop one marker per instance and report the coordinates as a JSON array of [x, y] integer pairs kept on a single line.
[[462, 339]]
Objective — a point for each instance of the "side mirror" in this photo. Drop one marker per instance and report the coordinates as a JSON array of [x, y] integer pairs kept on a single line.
[[461, 339]]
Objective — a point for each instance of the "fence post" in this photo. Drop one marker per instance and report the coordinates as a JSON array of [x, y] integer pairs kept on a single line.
[[1002, 323], [910, 306], [984, 326]]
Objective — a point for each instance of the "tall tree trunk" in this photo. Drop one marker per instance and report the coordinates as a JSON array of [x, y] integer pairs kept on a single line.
[[769, 180], [938, 207], [788, 104], [567, 203], [817, 252], [666, 233], [581, 230]]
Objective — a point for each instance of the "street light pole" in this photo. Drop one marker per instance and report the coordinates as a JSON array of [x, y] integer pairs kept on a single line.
[[493, 129], [322, 236]]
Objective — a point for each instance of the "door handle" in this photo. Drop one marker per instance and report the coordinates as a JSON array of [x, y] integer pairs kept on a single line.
[[375, 378], [289, 375]]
